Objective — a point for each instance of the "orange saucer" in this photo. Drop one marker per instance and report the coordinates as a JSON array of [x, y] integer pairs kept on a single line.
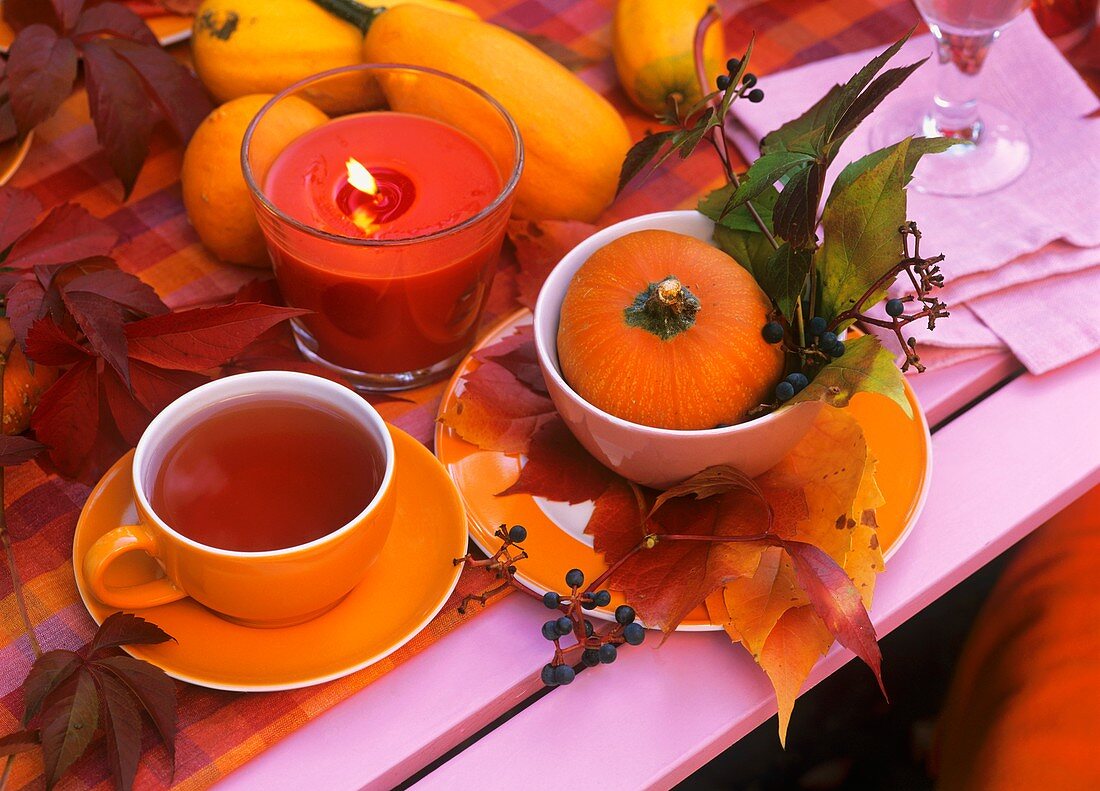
[[556, 541], [403, 591]]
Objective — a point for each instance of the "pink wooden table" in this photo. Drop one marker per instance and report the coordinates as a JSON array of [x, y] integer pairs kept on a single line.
[[1010, 450]]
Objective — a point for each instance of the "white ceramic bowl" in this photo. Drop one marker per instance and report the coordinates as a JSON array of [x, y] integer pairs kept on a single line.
[[650, 456]]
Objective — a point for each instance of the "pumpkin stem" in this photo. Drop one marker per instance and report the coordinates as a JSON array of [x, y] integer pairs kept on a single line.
[[351, 11], [665, 308]]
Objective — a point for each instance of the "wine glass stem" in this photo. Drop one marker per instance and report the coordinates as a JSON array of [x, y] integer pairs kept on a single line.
[[955, 111]]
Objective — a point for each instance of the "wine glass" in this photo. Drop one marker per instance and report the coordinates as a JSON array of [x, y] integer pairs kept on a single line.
[[995, 150]]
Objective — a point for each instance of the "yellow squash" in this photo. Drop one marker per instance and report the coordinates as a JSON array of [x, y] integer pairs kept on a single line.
[[245, 47], [652, 41], [575, 141]]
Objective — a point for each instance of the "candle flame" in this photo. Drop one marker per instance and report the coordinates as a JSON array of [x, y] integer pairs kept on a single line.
[[361, 178]]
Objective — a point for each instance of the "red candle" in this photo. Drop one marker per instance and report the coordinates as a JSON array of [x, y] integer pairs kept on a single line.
[[404, 287]]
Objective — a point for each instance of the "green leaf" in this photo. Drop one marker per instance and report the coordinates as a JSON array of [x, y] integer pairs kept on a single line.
[[640, 155], [866, 367], [861, 219], [820, 131], [750, 249], [765, 172], [795, 213], [68, 724], [717, 206], [784, 277]]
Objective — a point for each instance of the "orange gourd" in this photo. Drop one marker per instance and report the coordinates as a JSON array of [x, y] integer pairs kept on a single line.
[[661, 329]]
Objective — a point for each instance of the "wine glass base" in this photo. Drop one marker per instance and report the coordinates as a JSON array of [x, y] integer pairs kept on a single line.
[[999, 157], [365, 382]]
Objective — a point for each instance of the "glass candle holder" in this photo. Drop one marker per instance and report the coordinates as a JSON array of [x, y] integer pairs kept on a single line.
[[386, 221]]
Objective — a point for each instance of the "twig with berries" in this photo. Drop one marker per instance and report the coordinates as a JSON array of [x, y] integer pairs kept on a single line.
[[925, 276], [502, 563]]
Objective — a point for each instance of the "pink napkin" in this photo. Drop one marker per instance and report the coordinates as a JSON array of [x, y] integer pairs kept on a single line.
[[1014, 255]]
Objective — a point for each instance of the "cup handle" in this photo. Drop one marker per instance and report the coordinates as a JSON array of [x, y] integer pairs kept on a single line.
[[113, 545]]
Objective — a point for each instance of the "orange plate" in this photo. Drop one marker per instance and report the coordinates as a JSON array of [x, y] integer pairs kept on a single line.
[[371, 623], [556, 540]]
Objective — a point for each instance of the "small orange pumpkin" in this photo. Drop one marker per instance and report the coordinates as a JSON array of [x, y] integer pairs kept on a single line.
[[661, 329]]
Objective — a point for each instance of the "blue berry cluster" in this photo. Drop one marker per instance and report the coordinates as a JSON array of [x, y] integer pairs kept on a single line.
[[596, 649], [748, 81]]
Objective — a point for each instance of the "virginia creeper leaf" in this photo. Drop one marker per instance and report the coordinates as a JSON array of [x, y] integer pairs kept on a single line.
[[718, 206], [24, 306], [708, 483], [68, 725], [128, 290], [755, 604], [67, 418], [48, 672], [177, 94], [559, 469], [202, 338], [641, 154], [122, 729], [123, 628], [114, 20], [48, 344], [101, 321], [516, 354], [15, 450], [765, 172], [19, 742], [18, 210], [498, 412], [790, 652], [867, 366], [751, 250], [861, 219], [540, 245], [837, 602], [24, 13], [152, 688], [795, 215], [617, 521], [68, 233], [120, 111], [129, 416], [883, 85], [784, 277], [41, 71], [155, 388]]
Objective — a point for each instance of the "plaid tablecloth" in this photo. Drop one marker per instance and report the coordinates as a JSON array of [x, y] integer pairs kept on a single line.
[[218, 731]]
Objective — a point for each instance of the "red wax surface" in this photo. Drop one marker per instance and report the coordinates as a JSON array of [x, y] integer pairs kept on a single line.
[[397, 307]]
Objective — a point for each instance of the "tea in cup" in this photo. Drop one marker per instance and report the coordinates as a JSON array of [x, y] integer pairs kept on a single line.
[[263, 496]]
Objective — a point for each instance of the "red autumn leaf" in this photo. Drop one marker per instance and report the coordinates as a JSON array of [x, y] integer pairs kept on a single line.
[[516, 353], [540, 245], [155, 388], [68, 233], [48, 344], [837, 602], [19, 742], [129, 416], [123, 628], [559, 469], [176, 93], [122, 729], [710, 482], [48, 672], [23, 307], [128, 290], [260, 290], [41, 71], [115, 20], [153, 689], [120, 109], [23, 13], [101, 321], [497, 412], [67, 419], [18, 211], [202, 338], [617, 521], [15, 450], [68, 724]]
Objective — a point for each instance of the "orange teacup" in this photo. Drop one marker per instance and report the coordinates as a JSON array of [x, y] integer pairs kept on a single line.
[[270, 587]]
